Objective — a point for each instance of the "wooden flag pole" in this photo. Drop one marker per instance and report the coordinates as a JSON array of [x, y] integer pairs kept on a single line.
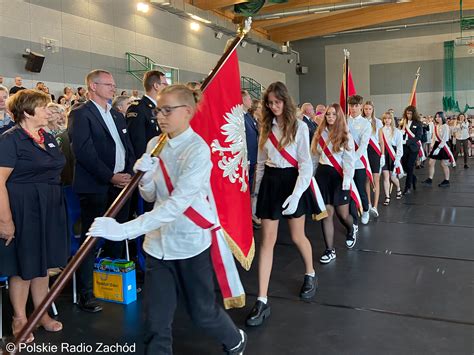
[[346, 81], [413, 89], [89, 243]]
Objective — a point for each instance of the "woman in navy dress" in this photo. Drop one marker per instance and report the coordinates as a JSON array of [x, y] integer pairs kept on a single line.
[[33, 225]]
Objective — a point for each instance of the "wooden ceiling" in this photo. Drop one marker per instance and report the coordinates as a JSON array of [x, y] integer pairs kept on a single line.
[[301, 26]]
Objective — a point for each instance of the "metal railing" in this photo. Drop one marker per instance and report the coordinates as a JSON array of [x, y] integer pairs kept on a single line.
[[138, 64], [253, 87]]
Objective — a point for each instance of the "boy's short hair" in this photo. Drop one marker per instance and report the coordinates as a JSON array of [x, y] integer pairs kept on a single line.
[[355, 100]]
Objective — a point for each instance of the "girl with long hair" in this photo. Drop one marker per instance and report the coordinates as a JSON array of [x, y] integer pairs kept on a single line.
[[440, 151], [282, 190], [392, 140], [333, 148], [412, 130], [375, 152]]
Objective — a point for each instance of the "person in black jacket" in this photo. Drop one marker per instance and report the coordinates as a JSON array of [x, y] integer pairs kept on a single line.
[[141, 120], [142, 124], [104, 161], [412, 130]]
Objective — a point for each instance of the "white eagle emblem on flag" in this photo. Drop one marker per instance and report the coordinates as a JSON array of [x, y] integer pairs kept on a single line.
[[234, 167]]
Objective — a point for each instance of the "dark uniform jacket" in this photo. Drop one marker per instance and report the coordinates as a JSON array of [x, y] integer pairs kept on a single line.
[[142, 124], [251, 135], [417, 129]]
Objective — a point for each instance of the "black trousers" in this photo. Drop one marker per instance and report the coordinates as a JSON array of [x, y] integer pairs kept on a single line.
[[92, 206], [192, 279], [408, 163], [360, 177], [464, 144]]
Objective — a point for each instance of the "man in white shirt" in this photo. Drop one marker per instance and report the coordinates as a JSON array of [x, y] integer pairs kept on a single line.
[[103, 166], [360, 130]]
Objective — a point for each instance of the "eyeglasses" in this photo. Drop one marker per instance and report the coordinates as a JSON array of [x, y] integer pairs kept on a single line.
[[106, 84], [274, 103], [165, 110]]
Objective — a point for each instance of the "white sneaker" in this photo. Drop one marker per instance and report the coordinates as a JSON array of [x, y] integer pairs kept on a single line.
[[365, 217], [352, 239], [328, 256], [374, 211]]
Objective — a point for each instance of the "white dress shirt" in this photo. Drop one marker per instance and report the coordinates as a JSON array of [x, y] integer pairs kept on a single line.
[[360, 129], [170, 235], [151, 99], [119, 148], [378, 125], [345, 157], [444, 132], [299, 150], [462, 131], [395, 140]]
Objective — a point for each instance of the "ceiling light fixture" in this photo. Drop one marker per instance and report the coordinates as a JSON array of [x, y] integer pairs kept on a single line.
[[194, 26], [218, 35], [143, 7], [259, 50], [243, 44], [291, 60], [200, 19], [274, 55], [321, 12], [392, 29]]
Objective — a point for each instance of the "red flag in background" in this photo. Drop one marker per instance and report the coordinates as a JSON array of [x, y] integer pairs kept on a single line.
[[351, 88], [220, 122]]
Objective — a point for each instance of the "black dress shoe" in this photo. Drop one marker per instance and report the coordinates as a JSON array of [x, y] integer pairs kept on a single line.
[[258, 314], [89, 304], [239, 349], [308, 290]]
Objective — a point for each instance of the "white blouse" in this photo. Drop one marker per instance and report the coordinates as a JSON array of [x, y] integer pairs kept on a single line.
[[444, 132], [347, 157], [299, 149], [395, 140]]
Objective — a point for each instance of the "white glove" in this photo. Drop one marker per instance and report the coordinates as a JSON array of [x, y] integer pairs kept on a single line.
[[436, 151], [107, 228], [292, 203], [148, 165], [382, 161]]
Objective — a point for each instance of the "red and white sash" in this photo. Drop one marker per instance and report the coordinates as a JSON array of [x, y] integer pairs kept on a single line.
[[338, 166], [368, 170], [375, 146], [446, 147], [421, 152], [321, 212], [391, 152], [221, 255]]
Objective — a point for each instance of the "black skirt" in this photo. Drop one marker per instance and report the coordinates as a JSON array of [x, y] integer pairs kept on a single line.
[[277, 184], [41, 237], [442, 155], [374, 160], [330, 184], [389, 163]]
